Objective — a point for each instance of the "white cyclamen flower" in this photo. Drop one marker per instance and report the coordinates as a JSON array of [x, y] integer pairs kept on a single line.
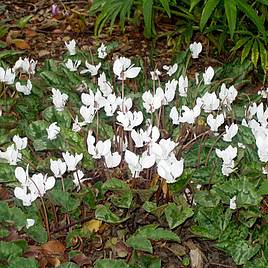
[[59, 99], [72, 66], [227, 95], [189, 115], [216, 122], [129, 120], [174, 115], [104, 85], [78, 179], [208, 75], [100, 149], [110, 105], [163, 149], [262, 115], [72, 160], [21, 143], [137, 163], [77, 126], [92, 69], [261, 142], [112, 160], [12, 155], [170, 169], [209, 102], [29, 223], [40, 184], [7, 76], [155, 74], [183, 86], [171, 69], [231, 131], [25, 66], [123, 69], [25, 89], [195, 49], [87, 113], [233, 203], [58, 167], [71, 47], [52, 131], [102, 51], [228, 155], [150, 102]]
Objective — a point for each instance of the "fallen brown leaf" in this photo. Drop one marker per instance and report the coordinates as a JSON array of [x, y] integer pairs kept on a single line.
[[20, 44], [53, 247], [92, 226]]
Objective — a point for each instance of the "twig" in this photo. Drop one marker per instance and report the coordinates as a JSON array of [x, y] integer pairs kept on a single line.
[[222, 265], [71, 224]]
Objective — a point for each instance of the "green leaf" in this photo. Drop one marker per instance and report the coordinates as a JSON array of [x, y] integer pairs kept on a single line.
[[140, 243], [12, 215], [176, 215], [252, 15], [147, 14], [255, 53], [152, 232], [4, 233], [103, 213], [242, 251], [22, 22], [7, 173], [9, 250], [64, 199], [246, 50], [165, 4], [38, 233], [149, 206], [123, 195], [263, 189], [9, 53], [240, 43], [193, 4], [263, 55], [207, 12], [114, 185], [23, 262], [64, 118], [105, 263], [230, 10]]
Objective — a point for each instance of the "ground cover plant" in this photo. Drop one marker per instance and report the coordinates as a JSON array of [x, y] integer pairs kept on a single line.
[[236, 25], [109, 166]]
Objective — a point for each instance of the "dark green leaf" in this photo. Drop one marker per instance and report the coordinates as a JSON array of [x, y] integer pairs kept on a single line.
[[165, 4], [105, 263], [230, 10], [246, 50], [140, 243], [103, 213], [207, 12], [255, 53], [176, 215], [38, 233], [23, 262], [252, 15], [148, 14]]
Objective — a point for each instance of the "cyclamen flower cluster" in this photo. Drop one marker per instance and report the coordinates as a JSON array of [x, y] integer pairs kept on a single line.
[[31, 187], [153, 150], [12, 153], [8, 76]]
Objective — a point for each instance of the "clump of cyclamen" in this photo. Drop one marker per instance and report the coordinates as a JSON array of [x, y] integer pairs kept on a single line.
[[155, 151]]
